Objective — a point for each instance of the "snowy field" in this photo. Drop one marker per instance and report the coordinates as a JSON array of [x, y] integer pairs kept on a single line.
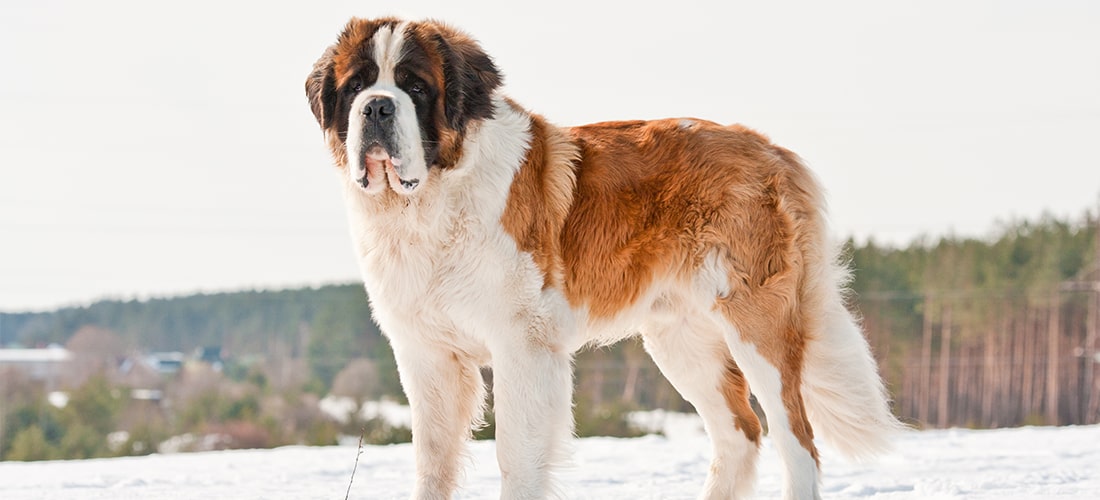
[[1025, 463]]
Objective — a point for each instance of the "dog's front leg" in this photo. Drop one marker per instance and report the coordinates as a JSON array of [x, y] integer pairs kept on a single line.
[[446, 395], [532, 394]]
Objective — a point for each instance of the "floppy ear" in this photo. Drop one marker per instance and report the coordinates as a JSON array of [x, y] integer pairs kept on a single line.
[[470, 79], [321, 89]]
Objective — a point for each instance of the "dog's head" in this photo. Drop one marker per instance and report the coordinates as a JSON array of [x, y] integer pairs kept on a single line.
[[394, 99]]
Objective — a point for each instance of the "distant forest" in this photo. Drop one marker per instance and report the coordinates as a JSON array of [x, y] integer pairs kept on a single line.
[[988, 332], [981, 332], [329, 326]]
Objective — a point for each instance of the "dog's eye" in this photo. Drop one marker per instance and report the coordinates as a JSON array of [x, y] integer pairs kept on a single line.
[[354, 85], [411, 82]]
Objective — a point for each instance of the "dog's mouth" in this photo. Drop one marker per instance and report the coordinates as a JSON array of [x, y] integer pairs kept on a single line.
[[382, 166], [377, 161]]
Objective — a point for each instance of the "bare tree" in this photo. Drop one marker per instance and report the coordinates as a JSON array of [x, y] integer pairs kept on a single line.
[[358, 380], [95, 350]]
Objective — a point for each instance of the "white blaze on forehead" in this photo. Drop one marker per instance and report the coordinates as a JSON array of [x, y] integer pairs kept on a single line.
[[389, 42]]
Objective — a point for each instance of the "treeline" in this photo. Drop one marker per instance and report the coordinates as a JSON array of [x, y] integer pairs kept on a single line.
[[245, 321], [988, 332], [242, 322]]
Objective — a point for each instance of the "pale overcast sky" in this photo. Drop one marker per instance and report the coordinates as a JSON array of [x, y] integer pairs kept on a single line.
[[156, 150]]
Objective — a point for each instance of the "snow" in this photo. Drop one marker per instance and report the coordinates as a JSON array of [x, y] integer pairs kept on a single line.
[[341, 409], [1023, 463]]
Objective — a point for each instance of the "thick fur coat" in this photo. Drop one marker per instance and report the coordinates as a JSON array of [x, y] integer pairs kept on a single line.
[[489, 237]]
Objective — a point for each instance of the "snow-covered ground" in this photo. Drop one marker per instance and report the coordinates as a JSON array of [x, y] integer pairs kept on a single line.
[[1025, 463], [394, 414]]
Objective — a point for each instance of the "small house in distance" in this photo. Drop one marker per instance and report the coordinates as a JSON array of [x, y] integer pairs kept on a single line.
[[36, 364]]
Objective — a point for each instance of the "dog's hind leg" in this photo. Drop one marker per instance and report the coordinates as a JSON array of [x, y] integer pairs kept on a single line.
[[446, 395], [770, 351], [693, 356]]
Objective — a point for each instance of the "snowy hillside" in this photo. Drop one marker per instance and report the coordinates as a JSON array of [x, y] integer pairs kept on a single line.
[[1025, 463]]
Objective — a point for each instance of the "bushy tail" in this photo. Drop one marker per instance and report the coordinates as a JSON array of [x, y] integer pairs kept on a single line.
[[846, 401]]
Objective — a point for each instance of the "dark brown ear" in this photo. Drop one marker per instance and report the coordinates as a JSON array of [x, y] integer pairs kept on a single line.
[[470, 78], [321, 89]]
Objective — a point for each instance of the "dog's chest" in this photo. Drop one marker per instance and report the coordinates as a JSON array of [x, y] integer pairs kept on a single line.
[[449, 281]]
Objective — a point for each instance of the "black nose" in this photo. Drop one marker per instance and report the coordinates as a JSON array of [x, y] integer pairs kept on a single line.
[[380, 109]]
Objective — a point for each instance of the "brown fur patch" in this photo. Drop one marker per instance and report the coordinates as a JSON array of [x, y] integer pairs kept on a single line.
[[429, 37], [654, 197], [354, 48], [540, 198], [735, 390]]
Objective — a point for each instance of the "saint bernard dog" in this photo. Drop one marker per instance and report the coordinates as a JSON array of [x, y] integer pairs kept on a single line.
[[487, 236]]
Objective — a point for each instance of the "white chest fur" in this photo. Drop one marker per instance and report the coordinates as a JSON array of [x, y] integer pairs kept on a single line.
[[438, 264]]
